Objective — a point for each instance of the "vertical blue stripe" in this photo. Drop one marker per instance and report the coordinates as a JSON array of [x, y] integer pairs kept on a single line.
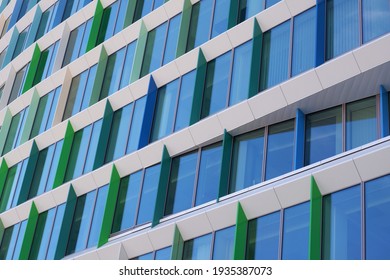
[[11, 47], [34, 27], [15, 14], [60, 13], [299, 140], [320, 32], [384, 111]]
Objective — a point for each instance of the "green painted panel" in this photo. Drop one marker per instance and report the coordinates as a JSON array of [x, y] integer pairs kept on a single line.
[[29, 234], [241, 234], [99, 78], [66, 224], [3, 177], [162, 186], [139, 53], [28, 177], [11, 47], [233, 14], [109, 211], [315, 221], [97, 19], [184, 28], [256, 60], [64, 156], [200, 80], [32, 34], [227, 145], [2, 229], [177, 245], [130, 11], [32, 112], [5, 129], [34, 71], [104, 136]]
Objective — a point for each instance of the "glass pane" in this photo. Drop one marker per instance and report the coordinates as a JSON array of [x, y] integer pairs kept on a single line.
[[296, 232], [163, 254], [17, 184], [247, 160], [54, 165], [19, 240], [361, 123], [342, 26], [107, 25], [304, 42], [209, 174], [125, 79], [148, 194], [55, 232], [127, 203], [136, 125], [181, 183], [271, 3], [8, 243], [74, 44], [172, 39], [165, 110], [224, 244], [280, 149], [43, 23], [342, 225], [216, 85], [185, 100], [18, 83], [21, 43], [323, 135], [8, 185], [376, 19], [146, 257], [274, 61], [97, 219], [86, 102], [200, 24], [263, 238], [75, 95], [143, 8], [249, 8], [120, 22], [92, 148], [112, 76], [221, 17], [198, 248], [378, 219], [239, 90]]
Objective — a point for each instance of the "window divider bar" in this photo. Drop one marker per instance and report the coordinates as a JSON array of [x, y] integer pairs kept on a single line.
[[257, 40]]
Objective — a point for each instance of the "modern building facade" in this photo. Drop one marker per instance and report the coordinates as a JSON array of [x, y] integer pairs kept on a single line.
[[187, 129]]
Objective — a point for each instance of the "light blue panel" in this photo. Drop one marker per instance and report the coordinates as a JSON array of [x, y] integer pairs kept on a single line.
[[34, 27], [299, 140], [11, 47], [384, 111]]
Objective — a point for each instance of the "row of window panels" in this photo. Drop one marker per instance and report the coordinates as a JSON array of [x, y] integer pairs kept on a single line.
[[194, 178], [354, 226]]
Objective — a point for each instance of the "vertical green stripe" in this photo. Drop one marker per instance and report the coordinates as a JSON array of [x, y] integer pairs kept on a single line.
[[233, 13], [64, 156], [184, 28], [11, 47], [162, 186], [5, 129], [109, 211], [97, 19], [130, 11], [241, 234], [177, 245], [34, 27], [35, 70], [104, 136], [200, 80], [99, 78], [28, 176], [139, 53], [29, 234], [2, 229], [225, 165], [66, 224], [3, 178], [315, 221], [256, 60], [32, 112]]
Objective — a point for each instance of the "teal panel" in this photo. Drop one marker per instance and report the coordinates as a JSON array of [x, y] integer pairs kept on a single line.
[[97, 19], [227, 146], [233, 13], [199, 86], [100, 71], [177, 245], [130, 11], [104, 136], [3, 178], [11, 47], [184, 28], [315, 221], [256, 60], [139, 53], [32, 34], [29, 234], [5, 129], [32, 112], [241, 234]]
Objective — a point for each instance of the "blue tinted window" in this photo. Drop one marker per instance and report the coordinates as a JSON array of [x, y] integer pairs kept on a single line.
[[200, 23], [136, 126], [14, 185], [55, 232], [270, 3], [97, 219], [376, 18], [163, 254], [185, 100], [19, 240], [342, 225], [249, 8], [21, 42], [8, 243], [15, 131], [47, 21], [48, 56], [172, 39], [73, 6], [221, 17], [224, 244], [198, 248], [18, 85], [296, 232], [109, 21], [263, 238], [128, 67], [112, 76]]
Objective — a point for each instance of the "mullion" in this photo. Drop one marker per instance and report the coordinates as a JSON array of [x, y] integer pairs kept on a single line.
[[229, 87], [212, 19], [195, 184], [265, 147], [281, 228], [177, 104]]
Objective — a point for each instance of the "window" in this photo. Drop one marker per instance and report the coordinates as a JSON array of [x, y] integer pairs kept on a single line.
[[46, 63], [47, 21], [87, 220], [136, 199], [5, 27], [45, 170], [77, 43], [21, 42], [18, 85], [45, 112], [118, 70], [2, 56], [125, 130], [83, 152], [249, 8], [11, 243], [341, 238], [113, 20], [47, 233], [173, 100], [162, 254], [80, 92], [184, 191], [376, 19], [15, 131], [144, 7], [218, 245], [72, 6], [172, 39]]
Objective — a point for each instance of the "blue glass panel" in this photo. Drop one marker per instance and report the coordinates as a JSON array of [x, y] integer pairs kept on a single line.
[[304, 42], [185, 100], [88, 88], [163, 254], [92, 148], [136, 125], [128, 64], [55, 234], [239, 89], [112, 76], [172, 39], [271, 3], [247, 160], [342, 225], [198, 248], [200, 23], [8, 242], [54, 165], [97, 219], [221, 17], [224, 244], [249, 8], [263, 238], [378, 219], [19, 241], [296, 232], [280, 149], [376, 19], [120, 22], [209, 174], [342, 26], [274, 61], [145, 257], [21, 43], [111, 14], [75, 95]]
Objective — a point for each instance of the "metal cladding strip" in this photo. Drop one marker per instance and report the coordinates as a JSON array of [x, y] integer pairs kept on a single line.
[[256, 60], [29, 234], [299, 149], [99, 78], [315, 221], [241, 234], [35, 70], [184, 28], [32, 34], [5, 129], [227, 147], [177, 245], [109, 211], [32, 114], [11, 47], [139, 53], [3, 178], [96, 25], [200, 80], [384, 111]]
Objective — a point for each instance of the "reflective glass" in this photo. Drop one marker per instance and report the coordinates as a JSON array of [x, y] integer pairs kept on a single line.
[[143, 8], [172, 39], [46, 62], [163, 254], [97, 219], [19, 240], [271, 3], [200, 23], [17, 87], [21, 42], [224, 244], [112, 76], [221, 17], [249, 8], [47, 21], [376, 19], [136, 125], [55, 233], [198, 248], [107, 26], [126, 73], [8, 242], [185, 100], [145, 257]]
